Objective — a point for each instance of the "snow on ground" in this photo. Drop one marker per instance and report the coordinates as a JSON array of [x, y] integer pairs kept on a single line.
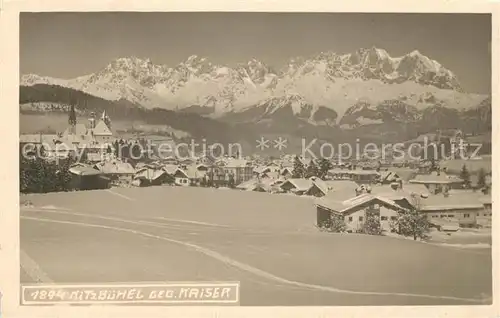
[[463, 237], [477, 245]]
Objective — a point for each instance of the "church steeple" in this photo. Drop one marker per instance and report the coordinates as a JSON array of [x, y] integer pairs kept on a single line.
[[72, 118], [105, 118]]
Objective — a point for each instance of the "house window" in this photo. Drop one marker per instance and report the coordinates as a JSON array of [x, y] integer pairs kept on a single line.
[[350, 219], [451, 215], [393, 218], [383, 218], [466, 215], [485, 214], [360, 218], [443, 216]]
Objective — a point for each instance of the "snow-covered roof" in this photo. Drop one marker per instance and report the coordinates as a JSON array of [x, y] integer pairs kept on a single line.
[[299, 184]]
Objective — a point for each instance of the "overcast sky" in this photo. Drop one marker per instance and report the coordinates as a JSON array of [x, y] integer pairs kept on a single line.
[[67, 45]]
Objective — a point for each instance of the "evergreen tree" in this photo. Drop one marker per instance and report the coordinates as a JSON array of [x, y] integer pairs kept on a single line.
[[372, 224], [72, 115], [203, 182], [116, 147], [434, 166], [231, 183], [336, 224], [465, 175], [312, 170], [481, 179], [40, 176], [412, 223], [298, 169], [210, 182], [324, 166]]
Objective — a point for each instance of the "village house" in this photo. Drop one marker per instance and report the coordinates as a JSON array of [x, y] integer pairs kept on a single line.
[[424, 167], [179, 175], [388, 177], [239, 170], [298, 186], [195, 173], [216, 175], [406, 174], [438, 182], [202, 167], [85, 177], [313, 186], [388, 201], [116, 170], [464, 208], [484, 218], [321, 187], [256, 184], [186, 161], [341, 185], [286, 172], [259, 170], [365, 176], [399, 162], [95, 152], [353, 210], [263, 170], [356, 175], [339, 174], [204, 159], [269, 175], [169, 160], [151, 175]]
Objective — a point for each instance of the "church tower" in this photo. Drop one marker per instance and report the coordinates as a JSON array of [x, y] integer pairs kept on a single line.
[[105, 118], [72, 119]]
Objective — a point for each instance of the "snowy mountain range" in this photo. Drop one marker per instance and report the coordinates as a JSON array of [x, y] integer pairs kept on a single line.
[[351, 89]]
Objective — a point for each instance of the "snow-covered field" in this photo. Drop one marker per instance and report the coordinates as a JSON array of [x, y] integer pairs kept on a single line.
[[464, 238]]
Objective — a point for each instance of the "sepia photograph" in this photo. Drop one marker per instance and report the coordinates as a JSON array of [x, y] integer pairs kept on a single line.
[[255, 159]]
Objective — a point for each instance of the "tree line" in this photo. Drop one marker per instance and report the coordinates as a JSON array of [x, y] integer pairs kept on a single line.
[[37, 175]]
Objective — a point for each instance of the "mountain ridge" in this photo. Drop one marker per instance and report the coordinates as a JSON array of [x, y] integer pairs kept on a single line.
[[366, 94], [334, 81]]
